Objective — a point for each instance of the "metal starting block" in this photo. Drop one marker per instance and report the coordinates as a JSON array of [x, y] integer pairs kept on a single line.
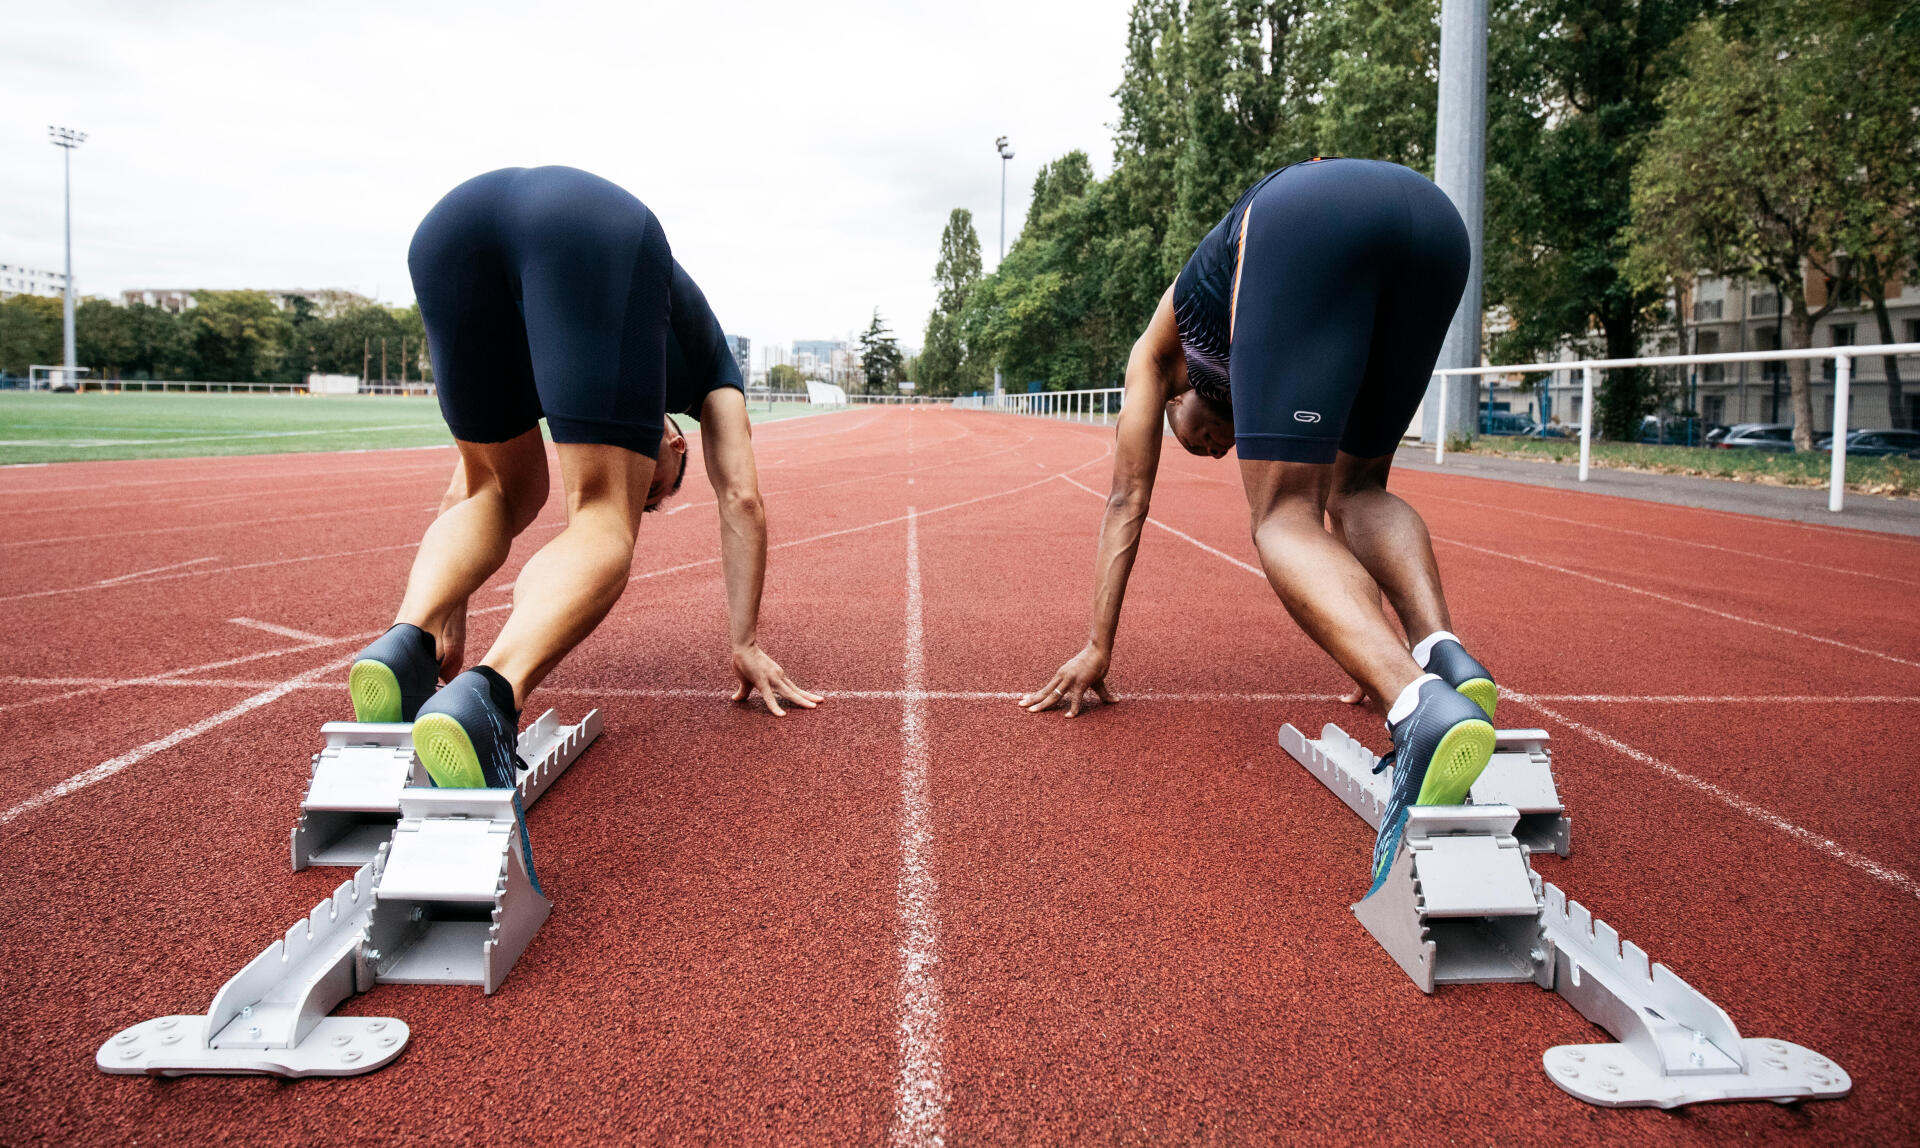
[[1462, 905], [353, 802], [444, 898]]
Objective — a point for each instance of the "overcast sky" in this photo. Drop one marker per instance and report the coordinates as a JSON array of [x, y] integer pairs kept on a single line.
[[802, 156]]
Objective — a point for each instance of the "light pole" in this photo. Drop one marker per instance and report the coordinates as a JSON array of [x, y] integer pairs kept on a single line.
[[66, 139], [1460, 168], [1006, 154]]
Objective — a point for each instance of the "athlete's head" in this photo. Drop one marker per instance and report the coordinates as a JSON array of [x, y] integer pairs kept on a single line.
[[1202, 425], [671, 468]]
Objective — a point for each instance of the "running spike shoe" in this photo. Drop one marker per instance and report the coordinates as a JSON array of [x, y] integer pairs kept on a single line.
[[394, 676], [1457, 668], [466, 740], [1438, 753]]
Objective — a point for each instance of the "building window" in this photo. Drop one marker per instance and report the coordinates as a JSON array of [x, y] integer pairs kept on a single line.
[[1913, 331], [1715, 410], [1767, 304], [1842, 334], [1708, 343], [1707, 309]]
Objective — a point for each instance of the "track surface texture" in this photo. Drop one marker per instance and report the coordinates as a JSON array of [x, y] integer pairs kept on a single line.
[[918, 913]]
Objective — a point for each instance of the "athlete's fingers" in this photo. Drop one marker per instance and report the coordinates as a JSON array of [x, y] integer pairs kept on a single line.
[[1355, 696], [1100, 687], [772, 699], [795, 694], [1047, 698], [741, 691], [1073, 699]]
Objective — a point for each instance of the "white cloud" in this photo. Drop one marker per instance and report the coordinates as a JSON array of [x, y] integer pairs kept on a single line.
[[803, 157]]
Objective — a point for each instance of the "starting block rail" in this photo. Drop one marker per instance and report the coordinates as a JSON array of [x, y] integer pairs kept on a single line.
[[1462, 905], [444, 898]]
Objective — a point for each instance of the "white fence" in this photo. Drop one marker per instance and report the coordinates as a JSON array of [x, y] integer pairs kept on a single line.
[[1842, 357]]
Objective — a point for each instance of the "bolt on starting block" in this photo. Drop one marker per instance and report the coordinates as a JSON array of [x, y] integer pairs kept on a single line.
[[1462, 905], [441, 895]]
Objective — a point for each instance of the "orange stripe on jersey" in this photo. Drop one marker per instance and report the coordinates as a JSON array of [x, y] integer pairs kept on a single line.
[[1239, 264]]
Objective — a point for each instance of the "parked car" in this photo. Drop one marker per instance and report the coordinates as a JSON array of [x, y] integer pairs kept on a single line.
[[1505, 423], [1876, 442], [1776, 437]]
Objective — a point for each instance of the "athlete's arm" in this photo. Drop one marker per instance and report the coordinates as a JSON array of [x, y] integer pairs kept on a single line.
[[1151, 371], [726, 443]]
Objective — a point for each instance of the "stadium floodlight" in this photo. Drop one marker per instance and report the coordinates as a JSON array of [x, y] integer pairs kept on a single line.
[[66, 139]]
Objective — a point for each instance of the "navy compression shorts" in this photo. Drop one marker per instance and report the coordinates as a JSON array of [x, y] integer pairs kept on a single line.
[[545, 292], [1347, 277]]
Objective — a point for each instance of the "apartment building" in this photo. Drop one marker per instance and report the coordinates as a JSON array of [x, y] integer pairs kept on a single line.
[[1728, 315], [18, 280]]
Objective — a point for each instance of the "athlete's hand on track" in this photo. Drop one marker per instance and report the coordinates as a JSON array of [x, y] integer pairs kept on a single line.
[[758, 671], [1357, 696], [1086, 670]]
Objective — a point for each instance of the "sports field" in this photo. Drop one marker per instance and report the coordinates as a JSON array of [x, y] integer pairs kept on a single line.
[[917, 911], [96, 426]]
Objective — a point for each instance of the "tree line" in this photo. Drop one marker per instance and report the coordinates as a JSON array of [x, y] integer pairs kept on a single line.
[[1631, 146], [226, 336]]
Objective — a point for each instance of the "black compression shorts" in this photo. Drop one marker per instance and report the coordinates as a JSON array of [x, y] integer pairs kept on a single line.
[[1348, 275], [545, 292]]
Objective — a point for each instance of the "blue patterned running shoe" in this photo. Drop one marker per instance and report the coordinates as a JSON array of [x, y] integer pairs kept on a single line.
[[466, 735], [1438, 753], [1449, 659], [392, 677]]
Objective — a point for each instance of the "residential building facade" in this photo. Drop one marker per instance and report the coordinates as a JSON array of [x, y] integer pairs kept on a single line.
[[18, 280]]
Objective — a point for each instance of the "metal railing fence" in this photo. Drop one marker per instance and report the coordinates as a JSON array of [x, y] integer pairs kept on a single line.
[[1842, 358]]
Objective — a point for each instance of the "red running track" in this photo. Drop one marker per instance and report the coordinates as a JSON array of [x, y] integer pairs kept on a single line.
[[1129, 926]]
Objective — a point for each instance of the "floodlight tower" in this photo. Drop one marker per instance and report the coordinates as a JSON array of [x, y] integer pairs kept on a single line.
[[66, 139], [1006, 153]]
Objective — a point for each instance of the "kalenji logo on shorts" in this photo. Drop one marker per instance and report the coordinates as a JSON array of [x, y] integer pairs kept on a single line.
[[1307, 416]]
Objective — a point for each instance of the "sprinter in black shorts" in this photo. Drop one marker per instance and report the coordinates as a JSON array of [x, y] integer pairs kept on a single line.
[[549, 292], [1303, 330]]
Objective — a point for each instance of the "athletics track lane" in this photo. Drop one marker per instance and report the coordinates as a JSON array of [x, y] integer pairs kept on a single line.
[[1142, 912]]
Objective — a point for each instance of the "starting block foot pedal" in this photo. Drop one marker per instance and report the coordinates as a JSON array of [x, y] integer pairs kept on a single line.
[[455, 904], [1460, 904], [353, 802]]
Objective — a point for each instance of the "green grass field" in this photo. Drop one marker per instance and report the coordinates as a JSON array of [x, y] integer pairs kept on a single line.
[[66, 428]]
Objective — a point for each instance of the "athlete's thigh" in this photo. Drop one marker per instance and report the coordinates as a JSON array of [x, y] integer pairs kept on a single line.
[[1310, 268], [1417, 303], [594, 271], [475, 337]]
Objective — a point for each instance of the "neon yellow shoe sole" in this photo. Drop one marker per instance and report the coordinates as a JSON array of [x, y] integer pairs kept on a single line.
[[1484, 693], [447, 752], [375, 692], [1462, 754]]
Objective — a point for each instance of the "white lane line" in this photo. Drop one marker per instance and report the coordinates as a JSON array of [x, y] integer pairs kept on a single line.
[[150, 570], [1775, 627], [1733, 801], [1584, 525], [283, 631], [134, 757], [99, 442], [169, 677], [920, 1087], [212, 524], [1247, 566], [215, 570]]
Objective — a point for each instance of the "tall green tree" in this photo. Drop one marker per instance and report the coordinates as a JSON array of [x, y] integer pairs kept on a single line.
[[237, 336], [879, 354], [1572, 101], [30, 332], [1758, 171], [945, 366]]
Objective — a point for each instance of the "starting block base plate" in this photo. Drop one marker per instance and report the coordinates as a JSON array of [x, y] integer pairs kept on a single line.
[[1612, 1077], [177, 1046]]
